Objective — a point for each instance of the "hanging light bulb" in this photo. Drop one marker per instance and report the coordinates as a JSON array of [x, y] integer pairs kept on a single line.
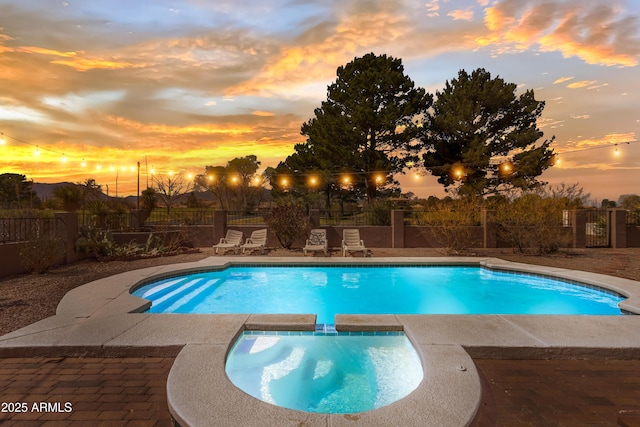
[[616, 152], [37, 151], [64, 158], [84, 164], [2, 141]]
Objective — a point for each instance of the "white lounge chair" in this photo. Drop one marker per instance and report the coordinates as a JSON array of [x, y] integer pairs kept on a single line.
[[351, 242], [258, 240], [232, 240], [317, 241]]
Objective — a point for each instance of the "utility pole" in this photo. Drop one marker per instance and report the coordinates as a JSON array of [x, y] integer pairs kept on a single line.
[[138, 185]]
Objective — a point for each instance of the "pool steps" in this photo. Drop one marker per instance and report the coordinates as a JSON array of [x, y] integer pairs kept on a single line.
[[170, 299]]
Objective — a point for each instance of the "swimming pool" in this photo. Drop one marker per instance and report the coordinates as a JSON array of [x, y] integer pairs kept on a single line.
[[373, 289], [336, 373]]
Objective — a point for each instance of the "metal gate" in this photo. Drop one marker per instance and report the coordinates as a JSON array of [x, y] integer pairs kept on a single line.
[[598, 230]]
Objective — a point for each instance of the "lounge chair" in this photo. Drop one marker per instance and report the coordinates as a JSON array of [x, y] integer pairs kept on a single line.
[[351, 242], [258, 240], [232, 240], [317, 242]]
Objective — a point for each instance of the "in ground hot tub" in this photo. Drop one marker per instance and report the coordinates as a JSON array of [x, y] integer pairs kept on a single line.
[[333, 373]]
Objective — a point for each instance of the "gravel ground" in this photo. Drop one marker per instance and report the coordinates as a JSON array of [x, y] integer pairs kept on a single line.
[[25, 299]]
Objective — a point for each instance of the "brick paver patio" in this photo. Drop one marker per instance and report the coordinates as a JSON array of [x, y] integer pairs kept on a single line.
[[132, 392], [100, 391], [559, 392]]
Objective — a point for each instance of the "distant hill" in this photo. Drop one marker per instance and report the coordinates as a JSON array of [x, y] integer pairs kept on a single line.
[[45, 192]]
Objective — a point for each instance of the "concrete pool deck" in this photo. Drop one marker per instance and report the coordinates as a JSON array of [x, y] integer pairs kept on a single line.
[[103, 314]]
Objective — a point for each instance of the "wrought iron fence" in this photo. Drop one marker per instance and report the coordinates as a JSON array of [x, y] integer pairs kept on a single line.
[[356, 218], [246, 218], [111, 221], [13, 230], [435, 217], [180, 216]]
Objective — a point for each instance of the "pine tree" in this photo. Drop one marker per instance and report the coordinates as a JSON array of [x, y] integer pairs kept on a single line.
[[482, 139]]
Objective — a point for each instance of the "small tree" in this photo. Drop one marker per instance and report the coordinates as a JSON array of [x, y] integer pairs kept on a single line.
[[288, 222], [70, 196], [169, 188], [234, 186]]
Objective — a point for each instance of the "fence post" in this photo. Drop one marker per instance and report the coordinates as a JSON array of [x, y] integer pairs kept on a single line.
[[579, 225], [618, 228], [397, 228], [219, 225], [314, 218], [489, 229], [70, 220]]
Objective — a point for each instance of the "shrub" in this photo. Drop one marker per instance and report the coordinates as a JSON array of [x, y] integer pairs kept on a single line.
[[42, 252], [95, 241], [454, 224], [533, 224], [288, 222]]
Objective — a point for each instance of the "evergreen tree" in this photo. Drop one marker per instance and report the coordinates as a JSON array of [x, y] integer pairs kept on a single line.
[[482, 139], [16, 192], [365, 126]]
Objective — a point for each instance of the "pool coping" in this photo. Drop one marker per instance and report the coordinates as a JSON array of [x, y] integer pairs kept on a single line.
[[103, 314]]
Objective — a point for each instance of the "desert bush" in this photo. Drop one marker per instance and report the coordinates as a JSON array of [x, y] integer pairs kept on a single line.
[[532, 224], [288, 222], [42, 252], [96, 241], [101, 244], [454, 223]]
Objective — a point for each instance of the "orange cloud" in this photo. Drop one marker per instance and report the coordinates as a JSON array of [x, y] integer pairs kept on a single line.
[[609, 139], [318, 60], [562, 80], [86, 64], [263, 113], [581, 84], [594, 33], [72, 59], [201, 129], [461, 15]]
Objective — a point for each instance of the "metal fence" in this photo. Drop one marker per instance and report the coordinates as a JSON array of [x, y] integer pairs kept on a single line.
[[433, 217], [597, 228], [180, 216], [356, 218], [247, 218], [115, 222], [13, 230]]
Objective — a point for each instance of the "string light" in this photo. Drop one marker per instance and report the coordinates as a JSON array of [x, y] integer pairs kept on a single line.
[[504, 167]]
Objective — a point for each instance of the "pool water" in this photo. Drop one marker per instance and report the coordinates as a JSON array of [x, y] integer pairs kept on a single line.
[[328, 290], [327, 373]]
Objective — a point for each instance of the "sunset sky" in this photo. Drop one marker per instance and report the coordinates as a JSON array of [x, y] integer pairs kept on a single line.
[[179, 85]]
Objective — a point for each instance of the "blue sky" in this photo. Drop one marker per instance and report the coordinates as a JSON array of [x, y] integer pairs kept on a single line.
[[186, 84]]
